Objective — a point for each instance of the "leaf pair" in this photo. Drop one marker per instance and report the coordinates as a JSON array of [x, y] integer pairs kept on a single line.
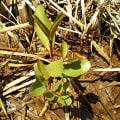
[[60, 86], [43, 73], [56, 69], [61, 97], [44, 28], [64, 99]]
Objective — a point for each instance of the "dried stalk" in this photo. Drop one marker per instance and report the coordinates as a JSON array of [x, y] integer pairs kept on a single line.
[[101, 52], [16, 27], [17, 81], [2, 52], [107, 69], [67, 14]]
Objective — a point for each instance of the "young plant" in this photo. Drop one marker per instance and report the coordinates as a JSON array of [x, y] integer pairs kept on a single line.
[[59, 68]]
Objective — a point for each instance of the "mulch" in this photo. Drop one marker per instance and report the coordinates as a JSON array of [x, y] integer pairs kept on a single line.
[[96, 94]]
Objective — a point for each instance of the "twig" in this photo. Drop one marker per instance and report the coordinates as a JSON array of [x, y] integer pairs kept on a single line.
[[2, 52], [66, 29], [8, 19], [18, 81], [18, 65], [11, 87], [19, 26], [107, 69], [8, 10], [44, 109], [92, 22], [30, 5]]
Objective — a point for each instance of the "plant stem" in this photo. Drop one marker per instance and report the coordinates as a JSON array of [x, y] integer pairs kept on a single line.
[[51, 52], [44, 109]]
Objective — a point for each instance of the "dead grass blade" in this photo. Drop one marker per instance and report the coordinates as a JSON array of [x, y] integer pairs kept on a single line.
[[107, 69], [67, 14], [2, 52], [16, 27], [15, 88], [12, 86], [8, 10], [114, 83], [91, 23], [3, 108], [19, 65], [101, 52], [19, 80], [30, 4]]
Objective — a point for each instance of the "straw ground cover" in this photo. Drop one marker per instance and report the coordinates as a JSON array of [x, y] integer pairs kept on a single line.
[[92, 31]]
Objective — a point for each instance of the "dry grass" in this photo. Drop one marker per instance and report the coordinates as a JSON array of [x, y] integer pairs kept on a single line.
[[91, 28]]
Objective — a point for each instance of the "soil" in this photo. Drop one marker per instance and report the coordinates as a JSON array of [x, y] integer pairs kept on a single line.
[[96, 94]]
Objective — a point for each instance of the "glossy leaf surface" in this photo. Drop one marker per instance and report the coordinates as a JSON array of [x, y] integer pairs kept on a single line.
[[39, 24], [37, 88], [76, 68]]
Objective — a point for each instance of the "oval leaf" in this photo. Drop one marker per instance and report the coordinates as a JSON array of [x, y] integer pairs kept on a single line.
[[64, 49], [76, 68], [55, 68], [42, 69], [37, 89]]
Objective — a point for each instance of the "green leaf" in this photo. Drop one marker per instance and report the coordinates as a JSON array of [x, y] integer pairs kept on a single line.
[[37, 88], [57, 85], [38, 75], [64, 49], [40, 13], [54, 26], [42, 69], [65, 86], [42, 26], [76, 68], [51, 97], [44, 29], [65, 100], [41, 66], [55, 68]]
